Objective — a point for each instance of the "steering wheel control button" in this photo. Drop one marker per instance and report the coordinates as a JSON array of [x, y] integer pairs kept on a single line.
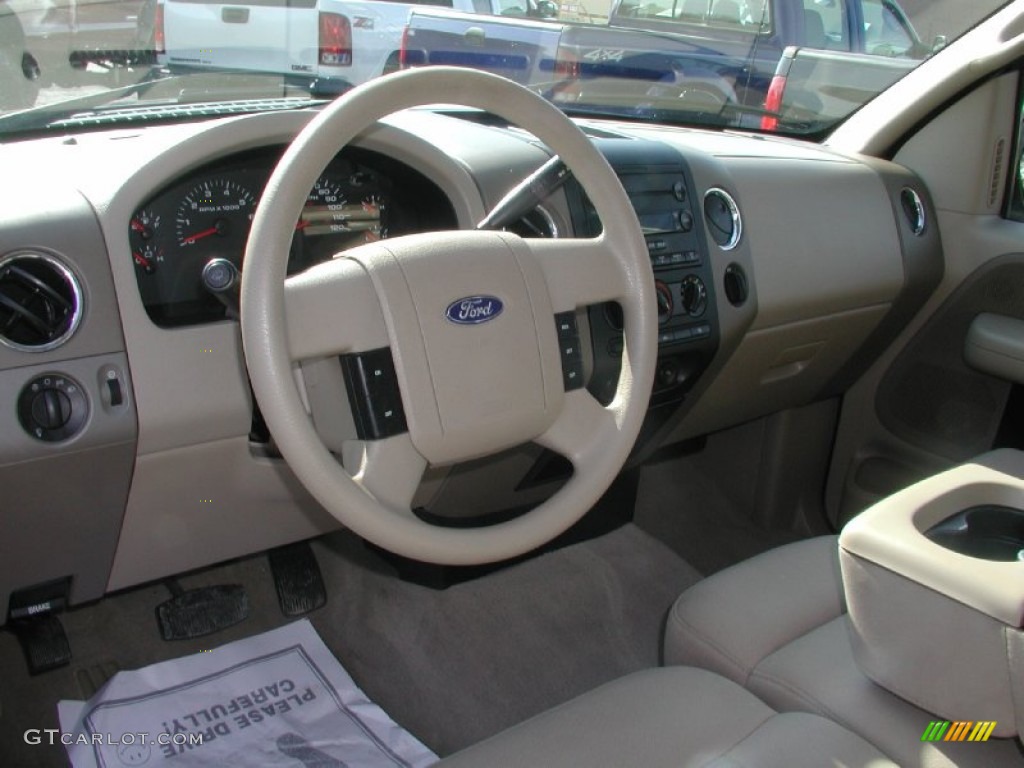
[[569, 350], [52, 408], [373, 393], [566, 324]]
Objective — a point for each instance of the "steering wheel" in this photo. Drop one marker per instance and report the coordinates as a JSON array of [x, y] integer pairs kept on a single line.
[[474, 378]]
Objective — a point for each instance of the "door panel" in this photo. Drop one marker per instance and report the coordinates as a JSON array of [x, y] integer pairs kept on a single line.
[[921, 408]]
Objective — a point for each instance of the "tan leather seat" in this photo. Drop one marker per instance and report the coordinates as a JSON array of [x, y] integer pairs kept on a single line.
[[776, 624], [671, 718]]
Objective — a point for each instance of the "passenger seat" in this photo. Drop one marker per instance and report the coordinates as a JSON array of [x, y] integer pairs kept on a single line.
[[777, 625], [671, 718]]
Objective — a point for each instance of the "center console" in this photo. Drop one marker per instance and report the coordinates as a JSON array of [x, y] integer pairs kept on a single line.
[[934, 580], [669, 209]]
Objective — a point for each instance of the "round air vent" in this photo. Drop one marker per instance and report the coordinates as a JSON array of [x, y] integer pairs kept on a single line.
[[913, 210], [40, 302], [536, 223], [723, 218]]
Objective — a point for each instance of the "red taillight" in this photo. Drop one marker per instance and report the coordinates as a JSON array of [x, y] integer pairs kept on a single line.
[[403, 50], [159, 38], [567, 65], [335, 40], [773, 103]]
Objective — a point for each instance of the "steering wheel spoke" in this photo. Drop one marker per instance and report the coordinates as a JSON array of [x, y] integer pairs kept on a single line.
[[582, 429], [580, 272], [389, 469], [332, 309]]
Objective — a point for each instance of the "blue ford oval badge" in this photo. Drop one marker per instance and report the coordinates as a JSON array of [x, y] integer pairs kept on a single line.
[[473, 310]]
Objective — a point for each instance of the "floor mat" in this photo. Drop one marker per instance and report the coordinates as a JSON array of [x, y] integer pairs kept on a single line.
[[452, 667], [271, 699]]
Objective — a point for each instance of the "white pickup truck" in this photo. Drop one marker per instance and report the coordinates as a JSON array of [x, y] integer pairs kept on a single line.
[[331, 44]]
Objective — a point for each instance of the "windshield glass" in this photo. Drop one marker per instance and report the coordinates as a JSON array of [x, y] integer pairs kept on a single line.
[[795, 67]]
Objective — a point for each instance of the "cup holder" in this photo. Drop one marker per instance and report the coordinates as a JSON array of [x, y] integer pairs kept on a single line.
[[988, 532]]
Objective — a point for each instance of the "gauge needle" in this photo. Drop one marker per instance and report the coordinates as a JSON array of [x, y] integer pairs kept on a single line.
[[199, 235]]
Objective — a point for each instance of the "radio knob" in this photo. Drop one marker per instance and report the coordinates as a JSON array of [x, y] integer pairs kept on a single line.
[[685, 221]]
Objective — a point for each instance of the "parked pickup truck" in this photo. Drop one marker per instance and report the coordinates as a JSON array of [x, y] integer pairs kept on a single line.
[[331, 44], [704, 54], [66, 36], [522, 49], [812, 88], [19, 70]]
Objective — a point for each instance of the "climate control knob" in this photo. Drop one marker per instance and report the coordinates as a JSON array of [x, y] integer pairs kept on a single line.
[[665, 301], [693, 296]]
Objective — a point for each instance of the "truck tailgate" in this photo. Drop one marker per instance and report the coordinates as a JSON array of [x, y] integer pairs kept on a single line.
[[264, 36], [520, 49]]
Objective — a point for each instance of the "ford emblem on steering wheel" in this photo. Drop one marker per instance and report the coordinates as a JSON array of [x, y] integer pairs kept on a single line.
[[473, 310]]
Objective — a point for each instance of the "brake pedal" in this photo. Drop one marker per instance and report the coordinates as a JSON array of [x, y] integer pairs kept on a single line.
[[32, 617], [44, 643], [297, 578]]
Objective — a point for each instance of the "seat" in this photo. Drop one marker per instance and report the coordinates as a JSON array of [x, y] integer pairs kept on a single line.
[[776, 624], [671, 718], [814, 30]]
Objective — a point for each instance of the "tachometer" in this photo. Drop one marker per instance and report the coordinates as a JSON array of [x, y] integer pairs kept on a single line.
[[214, 216]]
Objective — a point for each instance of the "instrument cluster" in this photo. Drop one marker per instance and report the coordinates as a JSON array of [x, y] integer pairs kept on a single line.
[[206, 217]]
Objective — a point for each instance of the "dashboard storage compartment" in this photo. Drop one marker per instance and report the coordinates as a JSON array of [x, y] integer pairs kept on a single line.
[[934, 580]]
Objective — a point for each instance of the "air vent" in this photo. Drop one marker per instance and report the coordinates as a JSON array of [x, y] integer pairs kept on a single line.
[[40, 302], [723, 218], [913, 210], [538, 223]]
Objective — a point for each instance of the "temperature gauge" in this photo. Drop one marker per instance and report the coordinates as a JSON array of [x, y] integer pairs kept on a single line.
[[147, 257]]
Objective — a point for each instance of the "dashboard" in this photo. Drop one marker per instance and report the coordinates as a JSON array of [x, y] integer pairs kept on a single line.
[[779, 270]]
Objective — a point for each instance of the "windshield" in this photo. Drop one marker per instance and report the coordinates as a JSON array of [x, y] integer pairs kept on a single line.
[[795, 67]]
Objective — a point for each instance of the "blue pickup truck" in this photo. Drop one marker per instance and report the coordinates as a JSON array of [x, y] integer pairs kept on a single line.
[[715, 56]]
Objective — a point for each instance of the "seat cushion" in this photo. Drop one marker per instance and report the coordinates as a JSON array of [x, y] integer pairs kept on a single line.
[[671, 717], [731, 620], [776, 624]]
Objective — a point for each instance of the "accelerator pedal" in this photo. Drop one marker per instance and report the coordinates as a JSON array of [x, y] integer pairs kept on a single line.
[[203, 611], [297, 577]]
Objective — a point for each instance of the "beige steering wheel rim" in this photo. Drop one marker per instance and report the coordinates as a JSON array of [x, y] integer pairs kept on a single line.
[[372, 512]]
